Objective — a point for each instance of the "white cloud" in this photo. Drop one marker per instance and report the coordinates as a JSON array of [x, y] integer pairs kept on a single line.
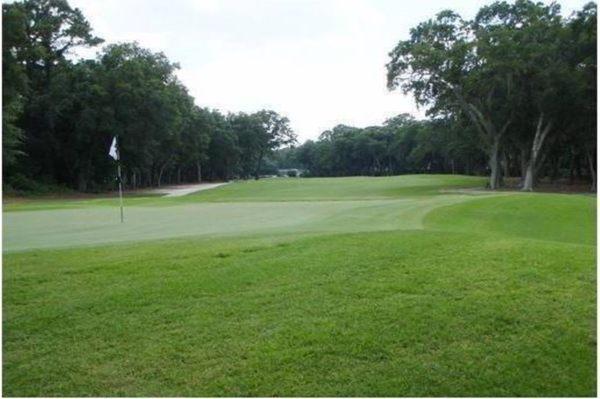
[[205, 6]]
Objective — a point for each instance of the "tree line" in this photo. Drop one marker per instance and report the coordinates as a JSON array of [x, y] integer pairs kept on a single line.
[[508, 93], [60, 115], [511, 92], [402, 145]]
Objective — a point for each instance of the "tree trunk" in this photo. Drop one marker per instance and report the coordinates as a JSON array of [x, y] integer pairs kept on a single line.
[[377, 167], [523, 160], [529, 176], [494, 172], [199, 171], [160, 175], [592, 163], [541, 132], [488, 131], [504, 162], [555, 169], [495, 164], [578, 173], [572, 167], [81, 181], [258, 165]]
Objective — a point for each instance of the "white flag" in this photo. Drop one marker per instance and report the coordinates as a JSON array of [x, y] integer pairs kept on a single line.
[[114, 152]]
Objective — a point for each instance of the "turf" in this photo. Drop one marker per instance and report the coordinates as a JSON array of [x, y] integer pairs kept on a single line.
[[551, 217], [400, 292], [92, 226], [277, 190]]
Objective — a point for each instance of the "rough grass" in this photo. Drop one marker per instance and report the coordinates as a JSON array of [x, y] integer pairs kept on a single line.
[[472, 300], [552, 217]]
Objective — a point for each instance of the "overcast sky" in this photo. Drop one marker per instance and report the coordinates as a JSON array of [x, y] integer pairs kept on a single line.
[[320, 63]]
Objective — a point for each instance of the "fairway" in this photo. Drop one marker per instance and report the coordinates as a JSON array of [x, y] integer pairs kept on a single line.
[[422, 285]]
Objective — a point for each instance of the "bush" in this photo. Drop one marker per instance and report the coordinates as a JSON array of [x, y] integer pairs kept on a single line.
[[23, 185]]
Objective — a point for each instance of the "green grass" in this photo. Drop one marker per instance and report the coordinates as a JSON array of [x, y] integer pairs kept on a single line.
[[339, 189], [277, 190], [551, 217], [377, 291], [100, 225]]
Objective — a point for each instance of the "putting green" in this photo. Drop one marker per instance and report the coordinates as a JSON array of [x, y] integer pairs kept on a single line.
[[100, 225], [273, 206]]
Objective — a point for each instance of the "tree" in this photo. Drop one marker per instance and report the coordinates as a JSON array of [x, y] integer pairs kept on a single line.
[[527, 36], [401, 145], [14, 84], [580, 45], [516, 71], [224, 150], [274, 131], [42, 32], [195, 140], [52, 28], [84, 122], [147, 104], [441, 65]]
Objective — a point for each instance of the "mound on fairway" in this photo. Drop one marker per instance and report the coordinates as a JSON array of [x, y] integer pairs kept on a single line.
[[348, 287]]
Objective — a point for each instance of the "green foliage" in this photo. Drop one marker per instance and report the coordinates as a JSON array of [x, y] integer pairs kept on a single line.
[[60, 116], [515, 71], [37, 37], [14, 86], [24, 186], [401, 145], [12, 135]]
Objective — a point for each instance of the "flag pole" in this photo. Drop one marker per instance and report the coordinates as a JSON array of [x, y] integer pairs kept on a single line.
[[120, 186], [115, 154]]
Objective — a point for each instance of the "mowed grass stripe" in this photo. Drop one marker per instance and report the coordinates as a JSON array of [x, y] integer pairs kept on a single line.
[[389, 313]]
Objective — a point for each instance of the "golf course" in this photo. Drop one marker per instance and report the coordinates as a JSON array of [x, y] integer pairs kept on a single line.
[[414, 285]]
